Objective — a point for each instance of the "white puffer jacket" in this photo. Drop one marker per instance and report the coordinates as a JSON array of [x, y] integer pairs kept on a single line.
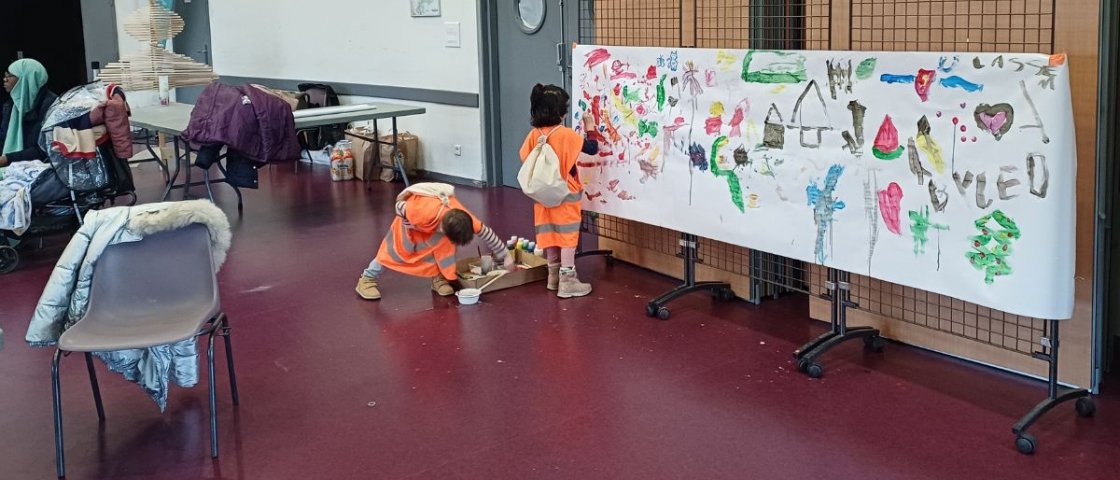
[[66, 295]]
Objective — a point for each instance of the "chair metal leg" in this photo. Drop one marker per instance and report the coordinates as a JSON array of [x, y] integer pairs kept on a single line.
[[213, 399], [225, 332], [59, 456], [206, 180], [96, 388]]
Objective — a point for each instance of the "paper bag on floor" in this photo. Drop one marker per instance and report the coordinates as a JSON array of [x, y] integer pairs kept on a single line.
[[409, 146], [363, 151]]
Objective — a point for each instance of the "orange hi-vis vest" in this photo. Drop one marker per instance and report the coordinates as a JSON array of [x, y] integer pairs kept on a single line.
[[415, 245], [559, 226]]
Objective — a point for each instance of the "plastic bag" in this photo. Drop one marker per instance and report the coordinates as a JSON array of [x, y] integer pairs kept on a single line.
[[342, 161], [82, 174]]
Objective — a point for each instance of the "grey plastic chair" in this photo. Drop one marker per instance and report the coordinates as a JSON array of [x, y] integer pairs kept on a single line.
[[157, 291]]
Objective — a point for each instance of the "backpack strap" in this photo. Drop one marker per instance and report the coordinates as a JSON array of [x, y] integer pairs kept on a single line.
[[543, 139]]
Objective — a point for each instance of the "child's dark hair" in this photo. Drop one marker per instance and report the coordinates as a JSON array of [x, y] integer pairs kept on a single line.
[[458, 227], [548, 105]]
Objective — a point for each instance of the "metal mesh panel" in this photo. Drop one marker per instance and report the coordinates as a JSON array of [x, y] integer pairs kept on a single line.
[[953, 25], [632, 23], [948, 25], [766, 24], [649, 237], [779, 24], [645, 23], [786, 24], [908, 25]]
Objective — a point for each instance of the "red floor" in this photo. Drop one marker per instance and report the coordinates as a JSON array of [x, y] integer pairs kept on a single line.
[[521, 386]]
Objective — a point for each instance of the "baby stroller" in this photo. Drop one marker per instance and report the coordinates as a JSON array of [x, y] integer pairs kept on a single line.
[[79, 180]]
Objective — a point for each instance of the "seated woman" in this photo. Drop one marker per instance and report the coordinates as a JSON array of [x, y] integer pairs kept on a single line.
[[21, 121]]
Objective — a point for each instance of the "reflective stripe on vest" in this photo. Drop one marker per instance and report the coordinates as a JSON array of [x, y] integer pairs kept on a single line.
[[558, 228], [390, 246]]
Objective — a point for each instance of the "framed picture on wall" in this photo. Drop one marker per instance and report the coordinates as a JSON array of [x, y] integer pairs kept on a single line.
[[424, 8]]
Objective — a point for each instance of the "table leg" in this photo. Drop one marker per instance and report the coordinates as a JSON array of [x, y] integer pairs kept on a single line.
[[159, 160], [187, 164], [376, 154], [397, 157], [175, 174]]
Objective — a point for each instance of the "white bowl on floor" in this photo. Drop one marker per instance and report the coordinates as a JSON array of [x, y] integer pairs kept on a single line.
[[468, 296]]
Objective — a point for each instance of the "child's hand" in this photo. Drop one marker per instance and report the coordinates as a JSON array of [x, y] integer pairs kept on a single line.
[[510, 264], [588, 123]]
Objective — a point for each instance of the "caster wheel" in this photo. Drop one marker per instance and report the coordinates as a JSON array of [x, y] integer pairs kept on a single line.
[[9, 259], [801, 364], [663, 313], [814, 370], [874, 343], [651, 310], [1025, 443], [610, 260], [1085, 407]]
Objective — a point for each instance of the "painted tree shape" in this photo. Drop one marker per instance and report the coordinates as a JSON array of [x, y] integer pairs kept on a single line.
[[920, 225], [992, 247], [825, 205]]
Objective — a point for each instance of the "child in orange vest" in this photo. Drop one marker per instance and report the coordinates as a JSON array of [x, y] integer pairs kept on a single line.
[[558, 227], [430, 224]]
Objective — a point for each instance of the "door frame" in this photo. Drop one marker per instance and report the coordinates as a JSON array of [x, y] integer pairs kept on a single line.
[[490, 103], [1108, 125]]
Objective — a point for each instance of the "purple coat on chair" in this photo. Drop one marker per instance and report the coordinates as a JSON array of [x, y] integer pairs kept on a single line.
[[245, 119]]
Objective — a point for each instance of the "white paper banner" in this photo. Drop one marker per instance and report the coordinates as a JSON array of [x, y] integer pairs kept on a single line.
[[948, 172]]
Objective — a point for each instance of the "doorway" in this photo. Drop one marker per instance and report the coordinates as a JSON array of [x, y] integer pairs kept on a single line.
[[62, 52], [532, 46], [194, 42]]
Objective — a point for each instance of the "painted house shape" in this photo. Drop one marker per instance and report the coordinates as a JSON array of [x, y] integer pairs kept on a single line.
[[810, 117]]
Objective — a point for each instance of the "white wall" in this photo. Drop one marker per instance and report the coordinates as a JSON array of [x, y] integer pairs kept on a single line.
[[364, 42], [353, 41], [440, 129]]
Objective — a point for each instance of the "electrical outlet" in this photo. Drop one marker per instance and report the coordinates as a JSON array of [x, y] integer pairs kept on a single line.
[[458, 150]]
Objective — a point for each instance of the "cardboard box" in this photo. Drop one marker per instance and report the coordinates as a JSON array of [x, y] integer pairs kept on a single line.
[[536, 271]]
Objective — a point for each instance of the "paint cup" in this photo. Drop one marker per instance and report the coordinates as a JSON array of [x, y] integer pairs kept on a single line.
[[487, 264]]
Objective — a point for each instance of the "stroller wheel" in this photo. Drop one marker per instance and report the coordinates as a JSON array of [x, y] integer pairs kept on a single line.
[[9, 259]]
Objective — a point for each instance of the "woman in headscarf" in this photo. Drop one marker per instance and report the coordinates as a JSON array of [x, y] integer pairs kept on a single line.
[[21, 119]]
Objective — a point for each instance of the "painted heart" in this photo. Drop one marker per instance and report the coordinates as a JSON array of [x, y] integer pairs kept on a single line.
[[962, 104], [993, 122], [995, 119], [890, 201]]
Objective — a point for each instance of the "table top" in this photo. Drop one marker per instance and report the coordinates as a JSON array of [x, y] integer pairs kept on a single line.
[[172, 119]]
